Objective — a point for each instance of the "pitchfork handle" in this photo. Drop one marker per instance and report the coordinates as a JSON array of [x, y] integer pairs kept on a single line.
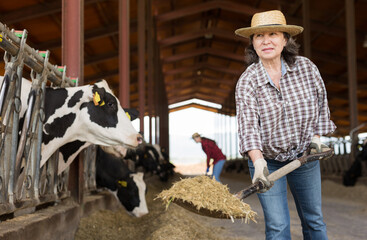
[[253, 188]]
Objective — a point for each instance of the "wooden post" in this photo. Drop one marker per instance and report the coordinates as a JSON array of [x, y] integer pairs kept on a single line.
[[141, 61], [307, 28], [352, 72], [73, 58], [150, 49], [124, 53]]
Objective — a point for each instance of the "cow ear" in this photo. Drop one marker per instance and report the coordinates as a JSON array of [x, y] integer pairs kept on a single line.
[[98, 96], [131, 113], [122, 183]]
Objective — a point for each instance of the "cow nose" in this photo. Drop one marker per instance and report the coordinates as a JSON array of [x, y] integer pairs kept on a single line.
[[140, 139]]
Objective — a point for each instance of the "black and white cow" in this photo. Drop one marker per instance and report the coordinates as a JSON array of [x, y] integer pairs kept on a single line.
[[129, 188], [81, 115], [147, 158]]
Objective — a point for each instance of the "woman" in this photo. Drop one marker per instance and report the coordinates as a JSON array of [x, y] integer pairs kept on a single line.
[[212, 151], [282, 110]]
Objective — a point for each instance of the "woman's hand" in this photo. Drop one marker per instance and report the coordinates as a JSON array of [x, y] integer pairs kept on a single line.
[[317, 146], [261, 173]]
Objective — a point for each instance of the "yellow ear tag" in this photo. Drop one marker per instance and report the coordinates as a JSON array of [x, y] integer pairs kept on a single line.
[[101, 104], [128, 115], [96, 98], [122, 183]]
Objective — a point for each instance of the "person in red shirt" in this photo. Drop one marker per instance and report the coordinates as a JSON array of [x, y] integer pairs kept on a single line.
[[212, 151]]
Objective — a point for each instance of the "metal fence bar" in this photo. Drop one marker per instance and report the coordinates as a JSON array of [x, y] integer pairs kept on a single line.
[[23, 183], [31, 57]]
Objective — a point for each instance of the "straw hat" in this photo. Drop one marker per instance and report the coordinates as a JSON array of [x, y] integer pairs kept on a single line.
[[195, 135], [269, 21]]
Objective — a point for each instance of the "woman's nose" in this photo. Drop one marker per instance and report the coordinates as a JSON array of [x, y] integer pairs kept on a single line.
[[266, 39]]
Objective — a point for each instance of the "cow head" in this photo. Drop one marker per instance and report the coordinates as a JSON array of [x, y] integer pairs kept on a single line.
[[107, 120], [131, 193], [89, 113]]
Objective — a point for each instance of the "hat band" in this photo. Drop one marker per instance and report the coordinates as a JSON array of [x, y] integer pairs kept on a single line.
[[275, 24]]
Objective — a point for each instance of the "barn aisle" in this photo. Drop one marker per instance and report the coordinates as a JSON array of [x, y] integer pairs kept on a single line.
[[345, 211]]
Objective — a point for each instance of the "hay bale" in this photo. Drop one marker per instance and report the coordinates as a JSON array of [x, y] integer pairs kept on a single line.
[[207, 195]]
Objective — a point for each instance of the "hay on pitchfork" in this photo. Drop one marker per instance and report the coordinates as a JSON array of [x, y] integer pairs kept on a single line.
[[207, 195]]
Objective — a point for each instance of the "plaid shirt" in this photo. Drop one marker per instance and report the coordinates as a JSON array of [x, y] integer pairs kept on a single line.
[[281, 123]]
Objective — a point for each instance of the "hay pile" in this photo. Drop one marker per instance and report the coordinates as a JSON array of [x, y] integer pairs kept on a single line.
[[206, 194], [176, 224]]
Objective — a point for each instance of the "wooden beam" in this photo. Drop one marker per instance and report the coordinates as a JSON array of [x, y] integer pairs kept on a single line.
[[101, 58], [248, 10], [37, 10], [335, 58], [203, 51], [203, 66], [194, 105], [206, 97], [89, 35], [196, 88], [178, 39], [101, 75], [199, 79], [207, 6]]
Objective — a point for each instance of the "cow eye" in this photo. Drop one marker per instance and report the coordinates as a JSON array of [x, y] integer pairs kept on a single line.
[[111, 105]]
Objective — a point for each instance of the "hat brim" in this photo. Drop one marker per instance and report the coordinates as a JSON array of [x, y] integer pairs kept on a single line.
[[293, 30]]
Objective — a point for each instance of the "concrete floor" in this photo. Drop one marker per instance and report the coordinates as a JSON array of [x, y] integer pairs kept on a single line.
[[346, 219]]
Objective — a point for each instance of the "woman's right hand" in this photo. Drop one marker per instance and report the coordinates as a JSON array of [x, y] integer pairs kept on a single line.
[[261, 173]]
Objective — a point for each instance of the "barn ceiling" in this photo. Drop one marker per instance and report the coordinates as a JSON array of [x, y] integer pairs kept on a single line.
[[200, 56]]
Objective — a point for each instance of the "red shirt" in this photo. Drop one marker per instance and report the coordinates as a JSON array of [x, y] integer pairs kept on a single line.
[[212, 151]]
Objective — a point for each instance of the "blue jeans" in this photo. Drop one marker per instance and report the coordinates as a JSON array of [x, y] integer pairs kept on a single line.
[[305, 185], [217, 169]]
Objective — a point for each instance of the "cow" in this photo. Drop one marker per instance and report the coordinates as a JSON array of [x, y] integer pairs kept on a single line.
[[129, 188], [148, 158], [351, 176], [166, 165], [81, 115]]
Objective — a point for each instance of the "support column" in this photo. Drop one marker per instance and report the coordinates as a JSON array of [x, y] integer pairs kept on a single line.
[[73, 58], [141, 61], [150, 49], [124, 53], [307, 28], [352, 72]]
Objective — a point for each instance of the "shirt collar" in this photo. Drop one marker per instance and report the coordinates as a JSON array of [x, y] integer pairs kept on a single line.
[[264, 77]]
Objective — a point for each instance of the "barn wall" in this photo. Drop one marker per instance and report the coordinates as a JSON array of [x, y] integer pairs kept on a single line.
[[57, 222]]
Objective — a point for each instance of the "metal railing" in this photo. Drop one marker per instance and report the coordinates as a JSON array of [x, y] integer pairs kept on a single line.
[[23, 183]]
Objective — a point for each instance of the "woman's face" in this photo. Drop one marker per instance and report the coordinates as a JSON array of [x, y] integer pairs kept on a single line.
[[197, 139], [269, 45]]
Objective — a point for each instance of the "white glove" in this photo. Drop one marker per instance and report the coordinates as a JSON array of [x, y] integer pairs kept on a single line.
[[317, 146], [261, 173]]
